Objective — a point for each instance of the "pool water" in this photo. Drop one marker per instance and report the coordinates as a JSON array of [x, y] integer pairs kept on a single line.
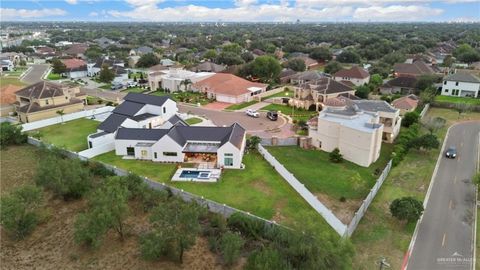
[[194, 174]]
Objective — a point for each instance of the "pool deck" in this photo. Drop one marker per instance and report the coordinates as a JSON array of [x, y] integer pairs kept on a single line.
[[214, 175]]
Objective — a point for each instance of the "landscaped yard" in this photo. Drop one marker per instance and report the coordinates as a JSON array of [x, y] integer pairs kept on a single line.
[[379, 234], [135, 90], [71, 135], [458, 100], [257, 189], [16, 73], [187, 97], [288, 93], [298, 114], [53, 76], [241, 105], [193, 120]]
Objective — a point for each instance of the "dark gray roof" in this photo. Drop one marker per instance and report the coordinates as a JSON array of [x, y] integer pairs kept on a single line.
[[99, 134], [462, 77], [142, 134], [327, 86], [128, 108], [143, 116], [236, 136], [112, 122], [408, 82], [374, 105], [175, 119], [233, 133], [146, 99]]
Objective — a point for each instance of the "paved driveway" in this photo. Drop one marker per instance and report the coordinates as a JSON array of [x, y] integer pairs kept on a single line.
[[35, 74], [446, 231]]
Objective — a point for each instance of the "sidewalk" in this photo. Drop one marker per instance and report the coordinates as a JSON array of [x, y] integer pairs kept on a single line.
[[256, 106]]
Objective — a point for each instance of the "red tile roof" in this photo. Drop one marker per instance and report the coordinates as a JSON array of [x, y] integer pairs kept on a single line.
[[73, 63], [406, 103], [227, 84], [354, 72]]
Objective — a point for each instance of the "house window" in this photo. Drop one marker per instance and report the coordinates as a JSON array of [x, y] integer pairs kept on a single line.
[[228, 155], [446, 90], [154, 154], [228, 161], [445, 82], [170, 154], [164, 110], [144, 153], [46, 101], [456, 83], [130, 151]]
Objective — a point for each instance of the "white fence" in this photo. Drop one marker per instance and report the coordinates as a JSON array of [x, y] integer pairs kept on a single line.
[[98, 150], [279, 141], [328, 215], [371, 195], [66, 118], [269, 93], [425, 110]]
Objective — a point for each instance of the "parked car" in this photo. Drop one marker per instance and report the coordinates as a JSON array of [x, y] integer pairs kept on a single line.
[[451, 152], [132, 83], [272, 115], [117, 86], [252, 113]]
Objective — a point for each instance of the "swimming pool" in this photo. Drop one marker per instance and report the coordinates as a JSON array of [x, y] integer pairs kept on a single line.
[[195, 174]]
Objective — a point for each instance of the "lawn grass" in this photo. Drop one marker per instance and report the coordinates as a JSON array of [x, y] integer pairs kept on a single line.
[[193, 120], [107, 86], [314, 169], [16, 73], [458, 100], [258, 189], [379, 234], [54, 76], [298, 114], [135, 90], [241, 105], [288, 93], [71, 135], [186, 97], [4, 81]]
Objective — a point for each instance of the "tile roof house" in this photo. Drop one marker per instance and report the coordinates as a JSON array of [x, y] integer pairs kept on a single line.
[[306, 76], [208, 66], [8, 98], [229, 88], [406, 104], [76, 68], [312, 94], [76, 50], [399, 85], [43, 99], [356, 75], [461, 84], [414, 69]]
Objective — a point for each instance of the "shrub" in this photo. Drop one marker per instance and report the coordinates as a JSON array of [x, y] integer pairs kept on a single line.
[[152, 197], [98, 169], [406, 208], [267, 258], [11, 135], [153, 245], [19, 211], [410, 118], [335, 156], [231, 246], [249, 226]]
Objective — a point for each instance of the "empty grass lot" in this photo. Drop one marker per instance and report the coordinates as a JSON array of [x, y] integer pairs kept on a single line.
[[379, 234], [257, 189], [71, 135], [458, 100], [319, 175], [298, 114], [241, 105]]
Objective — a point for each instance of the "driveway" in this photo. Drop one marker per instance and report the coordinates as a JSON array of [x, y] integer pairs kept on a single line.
[[35, 74], [445, 233]]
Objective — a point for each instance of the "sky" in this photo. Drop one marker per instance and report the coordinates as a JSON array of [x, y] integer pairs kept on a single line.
[[241, 10]]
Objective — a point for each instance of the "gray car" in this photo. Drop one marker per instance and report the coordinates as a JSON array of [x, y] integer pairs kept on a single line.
[[451, 152]]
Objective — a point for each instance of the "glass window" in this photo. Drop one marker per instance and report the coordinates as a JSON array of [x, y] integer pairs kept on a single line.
[[164, 110], [446, 90], [170, 154], [46, 101], [144, 153], [228, 154], [228, 161], [130, 151], [154, 154], [445, 82], [456, 83]]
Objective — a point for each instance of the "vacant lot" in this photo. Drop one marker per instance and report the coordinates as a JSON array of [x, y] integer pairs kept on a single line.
[[257, 189], [71, 135], [17, 166], [458, 100], [379, 234], [296, 114]]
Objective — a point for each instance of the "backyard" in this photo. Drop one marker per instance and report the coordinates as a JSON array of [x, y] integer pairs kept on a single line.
[[379, 234], [458, 100], [71, 135], [298, 114]]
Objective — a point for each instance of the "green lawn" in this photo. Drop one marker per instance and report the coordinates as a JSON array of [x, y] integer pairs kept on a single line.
[[288, 93], [71, 135], [193, 120], [53, 76], [187, 97], [135, 90], [463, 100], [257, 189], [4, 81], [379, 234], [241, 105], [107, 86], [314, 169], [17, 72], [298, 114]]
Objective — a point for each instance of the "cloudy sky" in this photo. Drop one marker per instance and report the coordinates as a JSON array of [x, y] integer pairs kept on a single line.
[[241, 10]]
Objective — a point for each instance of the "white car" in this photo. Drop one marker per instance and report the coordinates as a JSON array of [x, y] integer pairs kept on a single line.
[[252, 113], [132, 83]]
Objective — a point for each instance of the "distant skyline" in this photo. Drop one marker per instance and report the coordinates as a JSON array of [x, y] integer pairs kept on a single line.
[[242, 10]]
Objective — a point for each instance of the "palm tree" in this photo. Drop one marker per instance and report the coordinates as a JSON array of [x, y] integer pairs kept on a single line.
[[61, 113]]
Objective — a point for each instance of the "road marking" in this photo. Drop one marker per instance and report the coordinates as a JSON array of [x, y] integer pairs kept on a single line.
[[455, 180], [450, 204], [443, 241]]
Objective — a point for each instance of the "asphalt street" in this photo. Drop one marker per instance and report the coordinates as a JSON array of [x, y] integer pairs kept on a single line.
[[35, 74], [446, 232]]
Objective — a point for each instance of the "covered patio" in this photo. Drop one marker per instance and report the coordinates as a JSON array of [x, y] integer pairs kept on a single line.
[[204, 154]]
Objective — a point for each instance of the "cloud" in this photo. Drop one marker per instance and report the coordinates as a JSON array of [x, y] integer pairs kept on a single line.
[[18, 14], [395, 13], [244, 3], [93, 14], [72, 2]]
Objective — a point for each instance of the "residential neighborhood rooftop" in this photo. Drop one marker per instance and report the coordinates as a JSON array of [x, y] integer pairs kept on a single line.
[[462, 77]]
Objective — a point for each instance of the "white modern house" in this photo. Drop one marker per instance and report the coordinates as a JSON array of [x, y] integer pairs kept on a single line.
[[461, 84], [356, 133], [212, 147], [175, 79]]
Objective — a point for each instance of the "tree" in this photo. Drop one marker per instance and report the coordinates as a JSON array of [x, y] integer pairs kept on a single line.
[[266, 68], [296, 64], [61, 113], [19, 214], [362, 91], [427, 142], [465, 53], [253, 142], [11, 135], [321, 54], [433, 124], [335, 156], [448, 61], [425, 82], [247, 56], [376, 80], [348, 56], [231, 245], [332, 67], [106, 74], [148, 60], [267, 258], [210, 55], [476, 179], [428, 95], [410, 118], [229, 59], [58, 67], [406, 208]]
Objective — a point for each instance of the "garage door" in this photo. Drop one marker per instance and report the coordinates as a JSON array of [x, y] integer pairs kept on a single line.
[[228, 99]]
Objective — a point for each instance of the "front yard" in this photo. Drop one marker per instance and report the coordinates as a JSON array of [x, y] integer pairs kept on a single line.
[[296, 114], [53, 76], [135, 90], [241, 105], [186, 97], [70, 135], [458, 100], [193, 120]]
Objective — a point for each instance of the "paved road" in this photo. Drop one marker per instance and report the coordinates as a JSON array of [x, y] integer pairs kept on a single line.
[[35, 74], [446, 232]]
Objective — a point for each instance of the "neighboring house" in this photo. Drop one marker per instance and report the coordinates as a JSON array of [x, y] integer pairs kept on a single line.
[[309, 62], [208, 66], [76, 68], [399, 85], [104, 42], [7, 65], [312, 95], [389, 116], [76, 50], [356, 133], [44, 52], [220, 147], [285, 75], [140, 51], [415, 69], [43, 99], [136, 111], [356, 75], [174, 79], [461, 84], [229, 88], [121, 74], [406, 104], [167, 62], [133, 60], [306, 76], [8, 98]]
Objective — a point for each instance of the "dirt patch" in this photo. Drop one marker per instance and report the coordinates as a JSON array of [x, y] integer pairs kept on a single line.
[[17, 167], [279, 205], [261, 186], [342, 210]]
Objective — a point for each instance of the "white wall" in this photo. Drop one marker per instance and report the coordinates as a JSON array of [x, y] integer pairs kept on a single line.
[[107, 138], [355, 81], [464, 87], [121, 146], [166, 144], [229, 148]]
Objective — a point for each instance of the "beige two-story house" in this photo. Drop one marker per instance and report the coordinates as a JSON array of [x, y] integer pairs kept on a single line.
[[44, 99]]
